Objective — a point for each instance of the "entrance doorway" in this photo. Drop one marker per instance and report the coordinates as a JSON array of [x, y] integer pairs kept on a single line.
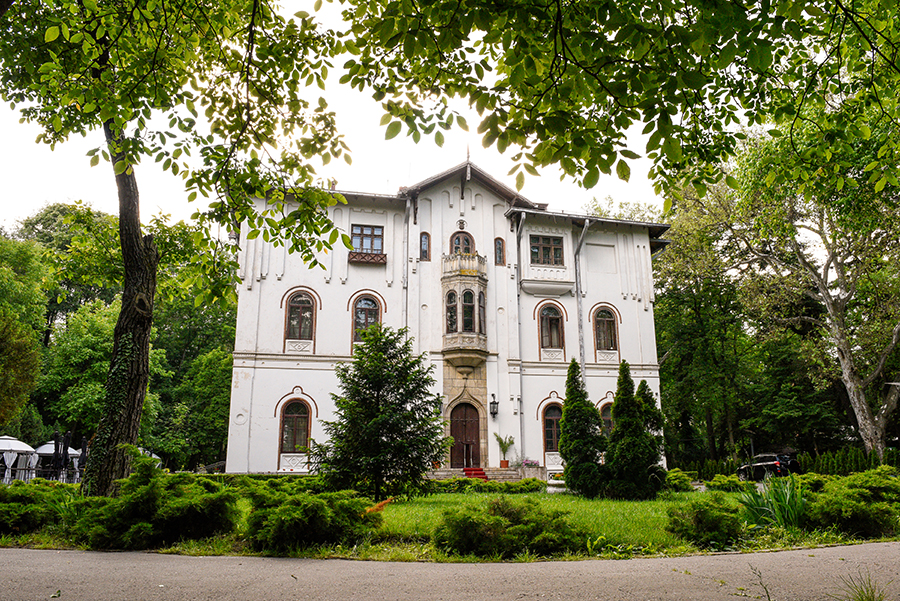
[[464, 428]]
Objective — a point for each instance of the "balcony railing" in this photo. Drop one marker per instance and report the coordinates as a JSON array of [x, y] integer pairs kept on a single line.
[[460, 264]]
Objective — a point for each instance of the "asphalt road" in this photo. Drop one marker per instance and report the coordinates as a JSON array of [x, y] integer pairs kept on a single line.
[[810, 574]]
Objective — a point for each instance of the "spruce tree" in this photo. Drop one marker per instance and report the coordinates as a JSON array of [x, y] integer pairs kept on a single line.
[[633, 456], [580, 440], [388, 430]]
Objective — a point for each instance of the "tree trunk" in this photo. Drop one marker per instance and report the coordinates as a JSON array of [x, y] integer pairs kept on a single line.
[[129, 370], [871, 432], [711, 435]]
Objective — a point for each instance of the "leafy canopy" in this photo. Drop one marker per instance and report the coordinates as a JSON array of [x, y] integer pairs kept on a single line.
[[572, 82]]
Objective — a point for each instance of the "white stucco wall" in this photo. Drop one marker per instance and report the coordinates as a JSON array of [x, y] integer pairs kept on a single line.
[[268, 371]]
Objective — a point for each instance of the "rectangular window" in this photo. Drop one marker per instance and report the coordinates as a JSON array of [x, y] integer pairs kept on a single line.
[[368, 239], [546, 250]]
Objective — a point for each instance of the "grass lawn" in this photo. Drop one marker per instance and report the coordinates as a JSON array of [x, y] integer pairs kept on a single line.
[[639, 524]]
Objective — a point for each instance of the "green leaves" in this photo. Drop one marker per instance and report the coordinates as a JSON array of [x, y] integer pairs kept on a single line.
[[392, 130]]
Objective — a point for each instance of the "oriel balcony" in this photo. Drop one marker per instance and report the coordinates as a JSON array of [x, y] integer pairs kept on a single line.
[[464, 285]]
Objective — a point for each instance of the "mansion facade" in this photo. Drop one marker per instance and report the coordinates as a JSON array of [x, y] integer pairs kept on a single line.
[[497, 291]]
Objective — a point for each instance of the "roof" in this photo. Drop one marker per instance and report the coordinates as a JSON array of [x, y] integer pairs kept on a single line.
[[467, 171]]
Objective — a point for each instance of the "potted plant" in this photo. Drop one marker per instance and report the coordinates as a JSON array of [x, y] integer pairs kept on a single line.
[[505, 444]]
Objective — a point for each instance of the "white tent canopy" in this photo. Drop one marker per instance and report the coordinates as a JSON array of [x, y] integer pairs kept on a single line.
[[48, 447], [8, 443], [10, 449]]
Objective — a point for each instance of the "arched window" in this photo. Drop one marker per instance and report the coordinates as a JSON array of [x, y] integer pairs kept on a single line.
[[468, 311], [295, 428], [452, 316], [301, 317], [482, 313], [605, 330], [425, 247], [552, 415], [461, 243], [499, 252], [606, 416], [366, 312], [551, 328]]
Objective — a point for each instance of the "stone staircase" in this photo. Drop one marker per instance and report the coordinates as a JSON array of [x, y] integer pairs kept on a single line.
[[488, 473]]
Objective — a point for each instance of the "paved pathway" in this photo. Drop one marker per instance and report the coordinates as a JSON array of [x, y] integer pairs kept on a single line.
[[811, 574]]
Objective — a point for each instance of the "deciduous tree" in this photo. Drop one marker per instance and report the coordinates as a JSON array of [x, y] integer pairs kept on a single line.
[[81, 66], [571, 82]]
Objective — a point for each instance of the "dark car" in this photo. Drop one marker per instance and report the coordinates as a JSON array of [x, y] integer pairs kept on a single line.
[[765, 465]]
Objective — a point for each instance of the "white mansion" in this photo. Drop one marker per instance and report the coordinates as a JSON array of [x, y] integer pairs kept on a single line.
[[499, 292]]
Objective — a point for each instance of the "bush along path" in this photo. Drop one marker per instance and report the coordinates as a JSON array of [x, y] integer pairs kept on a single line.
[[297, 516]]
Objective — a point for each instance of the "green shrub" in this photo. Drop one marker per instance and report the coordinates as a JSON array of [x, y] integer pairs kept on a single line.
[[729, 483], [467, 485], [678, 481], [632, 458], [581, 442], [26, 507], [709, 520], [296, 521], [155, 509], [780, 503], [503, 527], [865, 504], [813, 482]]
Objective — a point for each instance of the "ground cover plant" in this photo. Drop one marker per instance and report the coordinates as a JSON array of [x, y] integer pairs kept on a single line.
[[284, 515]]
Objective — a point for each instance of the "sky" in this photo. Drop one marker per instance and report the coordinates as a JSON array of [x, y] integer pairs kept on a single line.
[[33, 175]]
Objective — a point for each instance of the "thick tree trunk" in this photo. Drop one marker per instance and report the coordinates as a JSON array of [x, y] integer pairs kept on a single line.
[[871, 431], [129, 370]]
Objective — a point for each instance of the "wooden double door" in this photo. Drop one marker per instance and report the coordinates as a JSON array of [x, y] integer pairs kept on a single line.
[[465, 428]]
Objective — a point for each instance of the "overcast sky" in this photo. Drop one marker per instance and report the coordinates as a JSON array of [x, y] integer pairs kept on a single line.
[[33, 175]]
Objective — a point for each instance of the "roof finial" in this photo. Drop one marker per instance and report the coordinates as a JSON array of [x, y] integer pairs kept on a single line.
[[467, 152]]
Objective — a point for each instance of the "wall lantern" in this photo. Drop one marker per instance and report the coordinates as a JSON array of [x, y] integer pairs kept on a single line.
[[495, 405]]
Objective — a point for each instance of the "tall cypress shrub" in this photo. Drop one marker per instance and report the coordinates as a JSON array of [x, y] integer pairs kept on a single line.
[[581, 441], [634, 450]]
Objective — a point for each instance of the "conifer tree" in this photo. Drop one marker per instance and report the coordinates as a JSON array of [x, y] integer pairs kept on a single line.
[[580, 438], [633, 455], [388, 430]]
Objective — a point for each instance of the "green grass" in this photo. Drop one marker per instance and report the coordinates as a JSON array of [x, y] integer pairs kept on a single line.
[[617, 523]]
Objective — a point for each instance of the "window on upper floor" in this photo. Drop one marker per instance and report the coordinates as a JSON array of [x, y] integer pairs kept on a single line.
[[605, 330], [301, 317], [551, 328], [462, 243], [425, 247], [552, 417], [482, 312], [499, 252], [368, 244], [546, 250], [452, 316], [366, 312], [295, 428], [468, 311]]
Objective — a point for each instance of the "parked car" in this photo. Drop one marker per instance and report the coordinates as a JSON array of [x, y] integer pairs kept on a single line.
[[765, 465]]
